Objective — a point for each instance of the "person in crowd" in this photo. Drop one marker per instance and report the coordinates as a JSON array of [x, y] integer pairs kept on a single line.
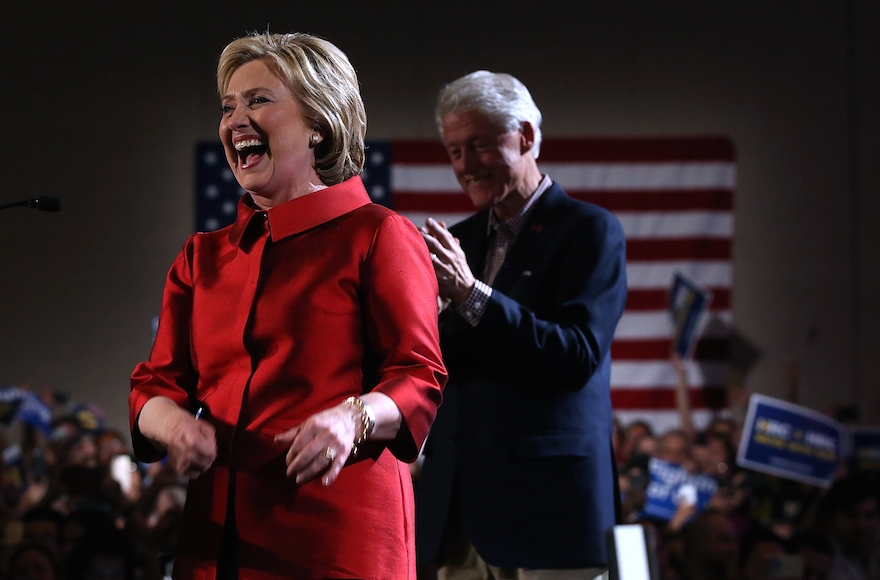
[[723, 428], [103, 555], [674, 446], [642, 447], [713, 456], [631, 434], [110, 443], [850, 511], [710, 548], [709, 451], [43, 524], [86, 521], [83, 451], [34, 561], [763, 555], [816, 553], [533, 286], [153, 524], [636, 429], [682, 393], [296, 342]]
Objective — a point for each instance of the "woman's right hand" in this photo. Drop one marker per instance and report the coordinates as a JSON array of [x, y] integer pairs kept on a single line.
[[191, 444], [192, 447]]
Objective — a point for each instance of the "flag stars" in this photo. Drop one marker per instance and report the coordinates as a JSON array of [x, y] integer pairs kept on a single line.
[[378, 192], [376, 158]]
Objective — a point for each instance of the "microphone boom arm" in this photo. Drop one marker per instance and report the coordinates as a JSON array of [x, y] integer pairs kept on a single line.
[[43, 203]]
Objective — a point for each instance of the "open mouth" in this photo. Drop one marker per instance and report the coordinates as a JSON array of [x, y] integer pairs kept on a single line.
[[250, 151]]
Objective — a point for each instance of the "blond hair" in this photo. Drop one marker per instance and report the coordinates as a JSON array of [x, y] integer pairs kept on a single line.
[[322, 81]]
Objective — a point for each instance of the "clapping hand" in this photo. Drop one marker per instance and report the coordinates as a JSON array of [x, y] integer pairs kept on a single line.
[[454, 276]]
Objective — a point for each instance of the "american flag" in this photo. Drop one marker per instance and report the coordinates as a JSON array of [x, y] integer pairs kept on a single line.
[[674, 197]]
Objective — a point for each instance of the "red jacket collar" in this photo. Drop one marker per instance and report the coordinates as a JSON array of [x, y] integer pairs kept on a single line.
[[303, 213]]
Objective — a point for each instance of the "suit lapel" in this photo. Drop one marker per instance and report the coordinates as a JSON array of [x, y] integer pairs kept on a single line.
[[530, 243], [474, 241]]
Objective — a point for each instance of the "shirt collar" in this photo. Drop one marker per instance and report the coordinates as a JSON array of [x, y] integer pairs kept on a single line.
[[303, 213], [516, 222]]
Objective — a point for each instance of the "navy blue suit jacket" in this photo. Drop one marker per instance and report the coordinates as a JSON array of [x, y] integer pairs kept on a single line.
[[525, 427]]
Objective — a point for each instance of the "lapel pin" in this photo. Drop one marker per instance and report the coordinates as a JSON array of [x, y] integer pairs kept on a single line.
[[537, 228]]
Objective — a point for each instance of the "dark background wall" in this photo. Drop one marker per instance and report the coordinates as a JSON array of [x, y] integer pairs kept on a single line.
[[103, 102]]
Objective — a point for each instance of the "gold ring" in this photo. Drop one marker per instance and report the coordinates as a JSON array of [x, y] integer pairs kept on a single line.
[[330, 454]]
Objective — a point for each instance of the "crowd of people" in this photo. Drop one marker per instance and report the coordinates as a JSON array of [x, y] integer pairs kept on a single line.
[[755, 525], [76, 504]]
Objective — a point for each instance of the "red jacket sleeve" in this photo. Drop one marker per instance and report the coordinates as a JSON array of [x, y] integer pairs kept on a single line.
[[168, 372], [401, 320]]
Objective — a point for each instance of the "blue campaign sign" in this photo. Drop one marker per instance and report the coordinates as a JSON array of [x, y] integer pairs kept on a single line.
[[36, 413], [864, 449], [790, 441], [687, 303], [26, 406], [10, 401], [671, 484]]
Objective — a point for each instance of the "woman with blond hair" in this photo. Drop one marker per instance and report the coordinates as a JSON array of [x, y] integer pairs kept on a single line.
[[297, 359]]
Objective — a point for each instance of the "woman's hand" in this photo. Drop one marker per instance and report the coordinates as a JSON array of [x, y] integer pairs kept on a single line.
[[321, 444], [191, 444], [192, 448]]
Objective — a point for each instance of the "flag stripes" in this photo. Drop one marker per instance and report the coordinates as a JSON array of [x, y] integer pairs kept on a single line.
[[659, 299], [674, 197]]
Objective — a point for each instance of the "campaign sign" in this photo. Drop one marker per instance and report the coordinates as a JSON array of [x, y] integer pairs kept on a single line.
[[864, 449], [672, 484], [35, 412], [790, 441], [10, 401], [687, 303]]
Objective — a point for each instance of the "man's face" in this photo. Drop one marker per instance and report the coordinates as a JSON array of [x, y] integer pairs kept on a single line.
[[489, 162], [720, 544], [760, 563], [856, 528]]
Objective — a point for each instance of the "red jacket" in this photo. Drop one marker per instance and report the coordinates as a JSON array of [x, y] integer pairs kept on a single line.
[[283, 314]]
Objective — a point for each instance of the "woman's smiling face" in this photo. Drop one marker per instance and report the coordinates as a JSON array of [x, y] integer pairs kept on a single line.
[[266, 137]]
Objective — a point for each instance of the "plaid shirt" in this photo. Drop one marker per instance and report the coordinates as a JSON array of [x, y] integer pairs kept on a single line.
[[501, 238]]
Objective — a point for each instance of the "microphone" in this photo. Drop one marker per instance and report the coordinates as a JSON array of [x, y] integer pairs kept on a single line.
[[42, 203]]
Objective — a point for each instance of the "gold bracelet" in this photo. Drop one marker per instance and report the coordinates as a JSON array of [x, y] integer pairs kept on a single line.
[[368, 421]]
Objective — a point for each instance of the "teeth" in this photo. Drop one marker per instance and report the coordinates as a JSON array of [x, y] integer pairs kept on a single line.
[[248, 143]]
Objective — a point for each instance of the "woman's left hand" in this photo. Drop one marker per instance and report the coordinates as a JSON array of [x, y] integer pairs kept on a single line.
[[321, 444]]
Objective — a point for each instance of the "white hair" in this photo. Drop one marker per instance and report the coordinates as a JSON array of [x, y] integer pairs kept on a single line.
[[501, 97]]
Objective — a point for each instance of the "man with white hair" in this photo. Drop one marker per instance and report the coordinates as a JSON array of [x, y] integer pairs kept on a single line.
[[518, 478]]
